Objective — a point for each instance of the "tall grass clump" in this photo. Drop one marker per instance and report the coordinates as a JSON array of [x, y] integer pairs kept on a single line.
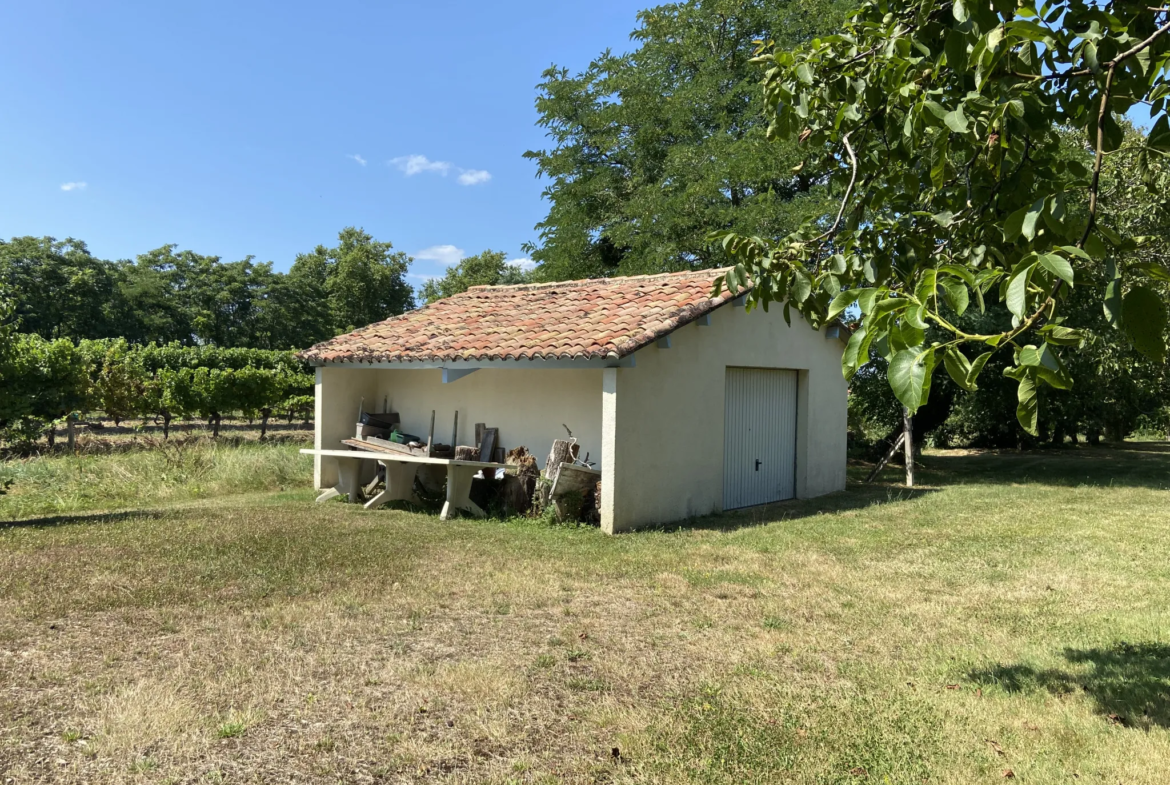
[[174, 471]]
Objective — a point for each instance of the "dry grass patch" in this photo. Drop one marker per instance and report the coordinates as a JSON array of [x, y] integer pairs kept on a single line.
[[873, 636]]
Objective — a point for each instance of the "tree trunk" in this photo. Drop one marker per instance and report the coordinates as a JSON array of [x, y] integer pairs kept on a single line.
[[1058, 435], [71, 432], [908, 446], [215, 418], [264, 415], [52, 434], [166, 418]]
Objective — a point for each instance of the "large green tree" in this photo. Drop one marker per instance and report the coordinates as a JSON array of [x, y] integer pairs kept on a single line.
[[58, 288], [652, 150], [489, 268], [363, 280], [938, 126]]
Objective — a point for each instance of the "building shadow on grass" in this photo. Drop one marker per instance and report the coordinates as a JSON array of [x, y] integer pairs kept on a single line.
[[47, 521], [1128, 682], [856, 497]]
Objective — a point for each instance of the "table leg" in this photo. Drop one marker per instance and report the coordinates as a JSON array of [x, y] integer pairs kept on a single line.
[[399, 483], [459, 492], [349, 472], [331, 493]]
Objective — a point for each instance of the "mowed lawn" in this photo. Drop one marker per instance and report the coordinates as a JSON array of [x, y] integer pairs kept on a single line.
[[1009, 620]]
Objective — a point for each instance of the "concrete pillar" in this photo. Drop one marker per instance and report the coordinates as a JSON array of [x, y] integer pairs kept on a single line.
[[609, 384]]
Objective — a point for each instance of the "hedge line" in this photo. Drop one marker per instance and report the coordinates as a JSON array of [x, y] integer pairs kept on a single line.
[[44, 381]]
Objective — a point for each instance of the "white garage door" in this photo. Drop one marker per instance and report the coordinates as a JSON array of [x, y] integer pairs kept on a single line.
[[759, 453]]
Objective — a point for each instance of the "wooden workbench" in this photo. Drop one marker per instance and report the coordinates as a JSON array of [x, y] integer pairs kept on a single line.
[[400, 472]]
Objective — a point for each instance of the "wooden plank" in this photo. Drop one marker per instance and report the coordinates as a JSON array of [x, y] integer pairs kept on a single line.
[[479, 428], [374, 444], [372, 455], [487, 446], [431, 436]]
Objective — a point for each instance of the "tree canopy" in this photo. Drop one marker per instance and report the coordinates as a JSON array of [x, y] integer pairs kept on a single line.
[[488, 268], [654, 149], [938, 127], [58, 289]]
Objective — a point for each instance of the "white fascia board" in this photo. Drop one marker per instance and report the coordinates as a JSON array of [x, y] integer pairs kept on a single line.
[[607, 362]]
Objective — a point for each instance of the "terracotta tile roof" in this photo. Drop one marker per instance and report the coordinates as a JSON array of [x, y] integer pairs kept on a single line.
[[592, 319]]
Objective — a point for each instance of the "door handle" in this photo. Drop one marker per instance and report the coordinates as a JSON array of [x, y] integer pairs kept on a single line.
[[757, 464]]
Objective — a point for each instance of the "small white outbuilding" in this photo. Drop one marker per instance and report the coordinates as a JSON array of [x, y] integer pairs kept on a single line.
[[688, 404]]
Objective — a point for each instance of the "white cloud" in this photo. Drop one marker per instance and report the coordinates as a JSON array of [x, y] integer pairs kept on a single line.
[[73, 186], [423, 278], [358, 158], [443, 254], [524, 264], [414, 164], [474, 176]]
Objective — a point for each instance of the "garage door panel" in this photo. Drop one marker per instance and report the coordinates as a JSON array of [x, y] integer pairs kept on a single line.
[[759, 436]]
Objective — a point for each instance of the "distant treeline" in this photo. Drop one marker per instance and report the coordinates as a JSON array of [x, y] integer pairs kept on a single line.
[[58, 289], [43, 382]]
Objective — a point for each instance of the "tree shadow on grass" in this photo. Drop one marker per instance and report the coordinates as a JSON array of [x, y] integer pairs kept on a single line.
[[1127, 465], [47, 521], [856, 497], [1128, 682]]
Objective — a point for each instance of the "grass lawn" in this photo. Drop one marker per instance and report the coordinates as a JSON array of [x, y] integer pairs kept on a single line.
[[1012, 619]]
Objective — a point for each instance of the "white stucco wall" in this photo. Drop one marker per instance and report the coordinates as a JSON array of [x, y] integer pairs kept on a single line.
[[527, 405], [339, 392], [664, 418]]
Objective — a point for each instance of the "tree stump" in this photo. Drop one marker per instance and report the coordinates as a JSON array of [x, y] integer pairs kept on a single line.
[[520, 485]]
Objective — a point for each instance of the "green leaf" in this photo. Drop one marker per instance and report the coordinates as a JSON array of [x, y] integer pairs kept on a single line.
[[865, 299], [842, 301], [1028, 227], [1014, 225], [916, 317], [956, 296], [856, 352], [1062, 336], [1112, 302], [804, 73], [801, 287], [1058, 266], [1029, 355], [976, 367], [960, 11], [956, 49], [1072, 250], [944, 219], [907, 375], [936, 109], [956, 121], [959, 368], [1159, 138], [1144, 320], [1017, 292], [1153, 270], [1029, 407]]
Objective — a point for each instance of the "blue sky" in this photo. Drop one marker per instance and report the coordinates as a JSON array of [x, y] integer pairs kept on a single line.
[[264, 128]]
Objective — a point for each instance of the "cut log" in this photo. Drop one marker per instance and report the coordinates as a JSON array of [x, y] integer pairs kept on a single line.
[[520, 481], [464, 453], [562, 452]]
